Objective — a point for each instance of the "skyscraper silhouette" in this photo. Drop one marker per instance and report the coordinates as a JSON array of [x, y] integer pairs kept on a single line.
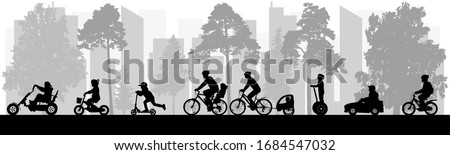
[[277, 20]]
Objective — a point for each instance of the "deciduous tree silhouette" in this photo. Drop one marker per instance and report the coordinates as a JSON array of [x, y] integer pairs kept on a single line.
[[44, 54], [106, 31], [314, 32], [396, 59], [228, 34], [172, 87]]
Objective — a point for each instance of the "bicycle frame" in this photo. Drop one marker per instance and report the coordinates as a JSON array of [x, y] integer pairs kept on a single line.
[[245, 98], [198, 98]]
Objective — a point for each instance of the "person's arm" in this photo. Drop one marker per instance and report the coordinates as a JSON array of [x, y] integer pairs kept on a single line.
[[420, 91], [40, 88], [89, 92], [201, 85]]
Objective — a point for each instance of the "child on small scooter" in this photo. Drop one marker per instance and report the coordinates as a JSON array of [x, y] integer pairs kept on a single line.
[[95, 91], [148, 97], [319, 85]]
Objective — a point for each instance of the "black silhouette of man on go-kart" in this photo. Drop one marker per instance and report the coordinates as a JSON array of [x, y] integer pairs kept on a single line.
[[42, 102], [370, 104]]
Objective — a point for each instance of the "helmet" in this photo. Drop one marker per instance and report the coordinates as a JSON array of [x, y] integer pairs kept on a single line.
[[425, 76], [143, 84], [47, 84], [248, 73], [95, 81], [321, 76], [205, 72], [371, 87]]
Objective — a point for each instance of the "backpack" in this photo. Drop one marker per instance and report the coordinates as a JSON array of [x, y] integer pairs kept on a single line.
[[221, 93]]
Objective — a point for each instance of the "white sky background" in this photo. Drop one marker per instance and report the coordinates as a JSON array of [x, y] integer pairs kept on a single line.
[[437, 15]]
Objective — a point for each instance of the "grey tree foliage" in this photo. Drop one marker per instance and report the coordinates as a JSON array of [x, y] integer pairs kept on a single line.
[[280, 88], [44, 54], [172, 87], [124, 97], [227, 33], [106, 31], [396, 59]]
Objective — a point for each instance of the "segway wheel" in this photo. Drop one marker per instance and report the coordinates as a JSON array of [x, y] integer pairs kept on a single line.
[[104, 110], [289, 111], [51, 109], [133, 111], [152, 111], [78, 110], [431, 108], [408, 108], [320, 108], [13, 109]]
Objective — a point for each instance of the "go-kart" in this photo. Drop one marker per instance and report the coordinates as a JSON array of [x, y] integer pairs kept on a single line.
[[373, 107]]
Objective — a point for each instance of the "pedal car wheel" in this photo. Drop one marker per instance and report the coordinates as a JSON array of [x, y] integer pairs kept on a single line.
[[52, 109], [375, 111], [352, 111], [78, 110], [289, 111], [320, 108], [219, 108], [152, 111], [237, 107], [408, 108], [133, 111], [263, 107], [13, 109], [104, 110], [191, 107], [431, 108]]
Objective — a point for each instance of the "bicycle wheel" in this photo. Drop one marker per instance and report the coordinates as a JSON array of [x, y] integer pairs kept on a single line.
[[408, 108], [431, 108], [237, 107], [220, 108], [191, 106], [263, 107]]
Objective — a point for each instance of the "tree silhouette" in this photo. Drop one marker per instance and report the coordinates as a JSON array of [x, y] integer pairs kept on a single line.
[[228, 34], [124, 97], [106, 31], [396, 59], [314, 32], [44, 54], [172, 88], [277, 90]]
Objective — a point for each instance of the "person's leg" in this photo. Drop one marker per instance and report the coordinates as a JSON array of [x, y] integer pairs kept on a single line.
[[152, 100], [145, 105], [321, 98], [251, 95], [208, 94], [39, 98], [89, 103]]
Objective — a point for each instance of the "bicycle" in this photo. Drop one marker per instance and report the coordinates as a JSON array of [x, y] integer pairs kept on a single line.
[[263, 106], [192, 106], [409, 108]]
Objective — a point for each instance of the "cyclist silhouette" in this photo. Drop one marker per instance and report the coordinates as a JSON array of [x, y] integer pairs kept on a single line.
[[213, 88], [148, 97], [95, 91], [251, 82], [46, 97], [319, 85], [425, 92]]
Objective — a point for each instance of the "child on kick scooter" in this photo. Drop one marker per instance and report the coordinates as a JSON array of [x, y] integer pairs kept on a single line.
[[319, 85], [148, 97], [95, 91]]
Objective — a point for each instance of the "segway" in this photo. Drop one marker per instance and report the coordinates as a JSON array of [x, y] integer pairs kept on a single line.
[[318, 107], [135, 110]]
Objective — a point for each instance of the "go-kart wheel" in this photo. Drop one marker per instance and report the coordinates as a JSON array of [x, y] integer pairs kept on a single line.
[[220, 108], [289, 111], [78, 110], [152, 111], [13, 109], [352, 111], [408, 108], [375, 111], [133, 111], [51, 109], [237, 107], [431, 108], [191, 106], [104, 110], [263, 107], [320, 108]]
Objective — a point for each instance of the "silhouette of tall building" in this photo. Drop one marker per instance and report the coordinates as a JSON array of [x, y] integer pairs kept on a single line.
[[252, 25], [134, 30], [350, 48], [187, 29], [154, 26], [277, 19], [159, 45]]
